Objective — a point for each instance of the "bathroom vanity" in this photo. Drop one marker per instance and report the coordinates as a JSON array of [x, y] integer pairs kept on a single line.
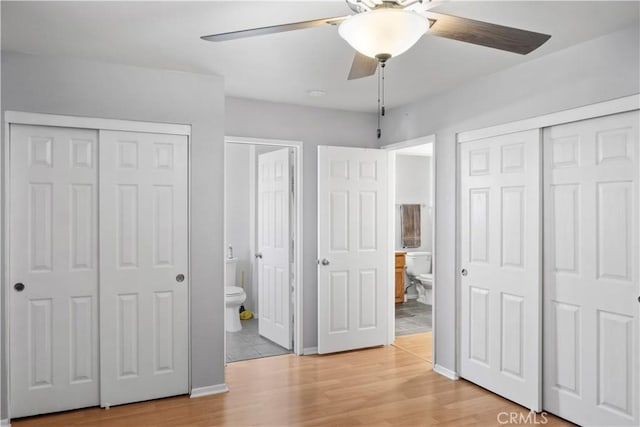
[[400, 276]]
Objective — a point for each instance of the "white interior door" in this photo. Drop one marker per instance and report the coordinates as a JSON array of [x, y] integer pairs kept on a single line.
[[53, 254], [591, 309], [500, 254], [353, 286], [274, 236], [144, 332]]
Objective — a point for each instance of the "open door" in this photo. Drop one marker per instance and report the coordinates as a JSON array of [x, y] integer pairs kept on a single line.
[[353, 287], [500, 265], [274, 236]]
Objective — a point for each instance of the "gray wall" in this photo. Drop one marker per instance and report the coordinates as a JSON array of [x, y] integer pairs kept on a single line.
[[76, 87], [593, 71], [312, 126]]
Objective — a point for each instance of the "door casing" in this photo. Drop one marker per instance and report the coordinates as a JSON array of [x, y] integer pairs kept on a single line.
[[298, 342], [391, 148]]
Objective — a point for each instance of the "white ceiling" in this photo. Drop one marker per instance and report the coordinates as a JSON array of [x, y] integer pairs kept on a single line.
[[283, 67]]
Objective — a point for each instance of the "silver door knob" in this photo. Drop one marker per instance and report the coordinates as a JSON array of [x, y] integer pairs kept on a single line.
[[464, 272], [180, 278], [325, 261], [258, 255]]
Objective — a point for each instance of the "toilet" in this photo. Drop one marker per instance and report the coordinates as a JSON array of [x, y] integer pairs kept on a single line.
[[234, 296], [418, 265]]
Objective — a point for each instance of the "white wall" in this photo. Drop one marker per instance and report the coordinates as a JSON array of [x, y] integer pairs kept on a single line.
[[238, 164], [312, 126], [594, 71], [85, 88], [413, 186]]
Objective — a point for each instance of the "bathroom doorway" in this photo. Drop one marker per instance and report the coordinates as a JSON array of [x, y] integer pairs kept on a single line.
[[412, 225], [263, 243]]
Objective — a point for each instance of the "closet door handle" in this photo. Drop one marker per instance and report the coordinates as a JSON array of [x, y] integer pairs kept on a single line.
[[180, 278], [464, 272], [259, 255], [19, 287], [325, 261]]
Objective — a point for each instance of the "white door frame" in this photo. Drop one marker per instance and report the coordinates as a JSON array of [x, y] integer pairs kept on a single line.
[[599, 109], [40, 119], [298, 284], [391, 148]]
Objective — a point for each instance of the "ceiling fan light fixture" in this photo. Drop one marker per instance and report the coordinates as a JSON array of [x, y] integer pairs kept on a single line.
[[383, 31]]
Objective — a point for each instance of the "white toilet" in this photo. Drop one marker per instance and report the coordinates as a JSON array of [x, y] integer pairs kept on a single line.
[[418, 266], [234, 296]]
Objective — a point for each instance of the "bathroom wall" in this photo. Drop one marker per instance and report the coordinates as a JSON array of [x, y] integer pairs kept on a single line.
[[413, 186], [238, 212]]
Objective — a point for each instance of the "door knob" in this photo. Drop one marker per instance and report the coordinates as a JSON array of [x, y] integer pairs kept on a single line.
[[325, 261], [19, 287], [180, 278], [464, 272], [259, 255]]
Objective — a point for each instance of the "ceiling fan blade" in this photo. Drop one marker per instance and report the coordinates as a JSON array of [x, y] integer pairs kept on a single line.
[[363, 66], [485, 34], [272, 29]]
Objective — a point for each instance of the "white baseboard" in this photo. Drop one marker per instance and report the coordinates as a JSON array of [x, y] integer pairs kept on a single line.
[[209, 390], [5, 423], [445, 372], [307, 351]]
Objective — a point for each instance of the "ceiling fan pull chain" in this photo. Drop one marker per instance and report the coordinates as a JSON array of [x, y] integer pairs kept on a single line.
[[380, 65]]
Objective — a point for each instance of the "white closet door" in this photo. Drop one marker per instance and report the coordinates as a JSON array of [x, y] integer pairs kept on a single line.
[[53, 254], [143, 255], [352, 243], [274, 236], [591, 307], [500, 254]]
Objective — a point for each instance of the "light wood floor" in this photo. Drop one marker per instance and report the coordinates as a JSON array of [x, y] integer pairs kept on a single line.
[[375, 387]]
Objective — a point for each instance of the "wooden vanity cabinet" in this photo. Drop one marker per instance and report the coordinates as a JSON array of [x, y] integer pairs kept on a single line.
[[400, 277]]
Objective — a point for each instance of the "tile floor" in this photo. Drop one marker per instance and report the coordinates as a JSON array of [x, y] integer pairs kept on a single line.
[[248, 344], [413, 317]]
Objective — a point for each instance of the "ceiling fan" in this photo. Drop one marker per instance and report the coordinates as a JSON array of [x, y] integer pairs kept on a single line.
[[381, 29]]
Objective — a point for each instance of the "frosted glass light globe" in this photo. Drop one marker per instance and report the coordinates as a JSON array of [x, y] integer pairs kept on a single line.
[[383, 31]]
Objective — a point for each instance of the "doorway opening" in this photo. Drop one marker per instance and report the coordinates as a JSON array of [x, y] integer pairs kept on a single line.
[[412, 225], [263, 246]]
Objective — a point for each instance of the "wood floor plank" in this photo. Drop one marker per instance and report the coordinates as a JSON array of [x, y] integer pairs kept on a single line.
[[383, 386]]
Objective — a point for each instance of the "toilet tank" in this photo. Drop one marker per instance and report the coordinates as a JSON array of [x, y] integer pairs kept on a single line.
[[231, 264], [418, 263]]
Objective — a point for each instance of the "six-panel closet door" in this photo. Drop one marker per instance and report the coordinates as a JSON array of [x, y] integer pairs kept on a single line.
[[53, 299], [144, 329], [591, 307], [89, 329], [500, 265]]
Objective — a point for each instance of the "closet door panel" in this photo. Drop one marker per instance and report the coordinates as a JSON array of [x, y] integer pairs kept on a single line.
[[143, 250], [591, 311], [500, 262], [53, 254]]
